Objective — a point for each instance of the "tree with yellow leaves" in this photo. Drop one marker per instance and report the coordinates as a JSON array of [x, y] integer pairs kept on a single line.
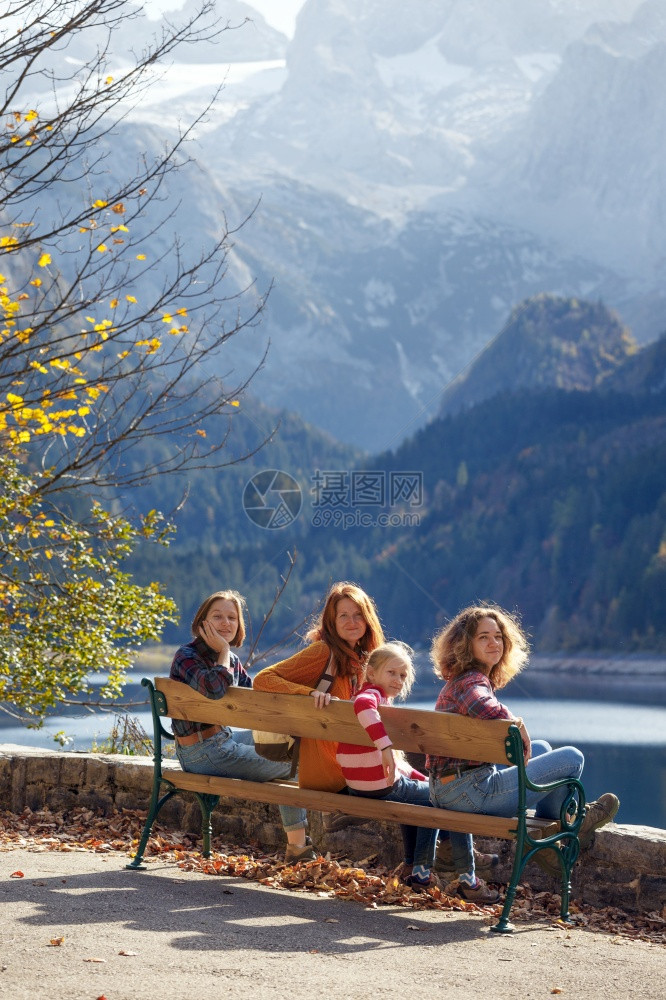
[[91, 362]]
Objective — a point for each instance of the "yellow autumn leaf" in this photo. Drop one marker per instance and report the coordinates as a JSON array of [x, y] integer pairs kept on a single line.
[[167, 318], [14, 399], [31, 115], [234, 402], [113, 304], [119, 229], [44, 260], [141, 256], [9, 241], [83, 411], [182, 311], [100, 204], [108, 80], [102, 247], [174, 331], [36, 282], [48, 553], [201, 433], [123, 354], [118, 208], [130, 298]]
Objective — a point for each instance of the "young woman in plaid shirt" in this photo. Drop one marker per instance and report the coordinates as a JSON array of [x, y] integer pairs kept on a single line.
[[476, 655]]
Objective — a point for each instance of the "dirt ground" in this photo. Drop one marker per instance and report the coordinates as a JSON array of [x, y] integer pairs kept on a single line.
[[126, 935]]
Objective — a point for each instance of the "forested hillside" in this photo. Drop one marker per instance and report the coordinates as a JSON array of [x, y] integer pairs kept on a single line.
[[551, 501]]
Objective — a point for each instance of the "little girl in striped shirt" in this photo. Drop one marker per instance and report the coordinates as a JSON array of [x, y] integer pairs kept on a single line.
[[381, 772]]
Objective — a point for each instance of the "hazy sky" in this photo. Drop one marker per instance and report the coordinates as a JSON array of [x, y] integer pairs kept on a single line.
[[281, 14]]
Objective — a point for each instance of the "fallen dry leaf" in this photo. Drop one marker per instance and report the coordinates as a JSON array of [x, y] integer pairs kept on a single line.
[[82, 829], [128, 953], [17, 875], [55, 942], [94, 960], [556, 989]]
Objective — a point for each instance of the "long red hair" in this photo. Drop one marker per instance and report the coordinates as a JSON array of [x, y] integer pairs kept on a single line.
[[350, 661]]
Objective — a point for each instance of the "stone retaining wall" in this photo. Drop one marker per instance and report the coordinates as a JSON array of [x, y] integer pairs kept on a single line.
[[625, 867]]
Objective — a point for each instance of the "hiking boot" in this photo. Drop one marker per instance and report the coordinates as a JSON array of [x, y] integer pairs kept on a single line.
[[444, 859], [548, 862], [340, 821], [481, 894], [597, 814], [418, 885], [294, 853]]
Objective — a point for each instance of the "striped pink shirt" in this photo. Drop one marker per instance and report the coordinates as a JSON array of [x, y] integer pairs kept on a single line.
[[362, 767]]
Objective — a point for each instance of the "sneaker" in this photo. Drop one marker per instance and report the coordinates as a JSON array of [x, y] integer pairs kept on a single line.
[[444, 859], [481, 894], [418, 885], [597, 814], [339, 821], [294, 853]]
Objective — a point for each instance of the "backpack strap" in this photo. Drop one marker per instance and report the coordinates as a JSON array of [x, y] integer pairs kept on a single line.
[[323, 684]]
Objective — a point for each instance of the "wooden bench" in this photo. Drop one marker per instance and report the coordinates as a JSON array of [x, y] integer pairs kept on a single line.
[[412, 730]]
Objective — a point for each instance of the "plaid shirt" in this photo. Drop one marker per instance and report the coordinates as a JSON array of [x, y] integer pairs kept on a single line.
[[469, 694], [195, 664]]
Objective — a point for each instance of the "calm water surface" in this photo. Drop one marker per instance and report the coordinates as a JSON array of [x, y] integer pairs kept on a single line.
[[624, 745]]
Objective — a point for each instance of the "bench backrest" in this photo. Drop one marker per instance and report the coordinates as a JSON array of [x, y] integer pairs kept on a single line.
[[410, 729]]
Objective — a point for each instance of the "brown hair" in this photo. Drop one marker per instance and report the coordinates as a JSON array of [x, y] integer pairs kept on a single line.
[[225, 595], [350, 662], [394, 650], [451, 650]]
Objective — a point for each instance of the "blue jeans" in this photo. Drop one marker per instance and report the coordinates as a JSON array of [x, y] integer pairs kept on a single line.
[[416, 793], [231, 754], [494, 790]]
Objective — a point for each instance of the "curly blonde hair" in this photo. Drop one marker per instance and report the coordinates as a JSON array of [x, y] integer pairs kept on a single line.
[[451, 650]]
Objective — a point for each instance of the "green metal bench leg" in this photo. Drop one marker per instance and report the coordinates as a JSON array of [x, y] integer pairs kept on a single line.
[[155, 806], [503, 925], [206, 803]]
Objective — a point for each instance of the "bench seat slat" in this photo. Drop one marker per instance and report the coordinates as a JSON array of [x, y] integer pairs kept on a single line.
[[286, 793]]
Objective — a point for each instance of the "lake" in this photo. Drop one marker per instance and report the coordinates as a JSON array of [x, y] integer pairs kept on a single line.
[[624, 744]]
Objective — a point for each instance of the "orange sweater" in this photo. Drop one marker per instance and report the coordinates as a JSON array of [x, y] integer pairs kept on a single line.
[[299, 674]]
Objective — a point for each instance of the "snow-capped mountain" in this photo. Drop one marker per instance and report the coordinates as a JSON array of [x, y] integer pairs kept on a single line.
[[414, 171]]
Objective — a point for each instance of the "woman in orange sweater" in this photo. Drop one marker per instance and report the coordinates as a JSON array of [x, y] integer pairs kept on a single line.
[[349, 629]]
